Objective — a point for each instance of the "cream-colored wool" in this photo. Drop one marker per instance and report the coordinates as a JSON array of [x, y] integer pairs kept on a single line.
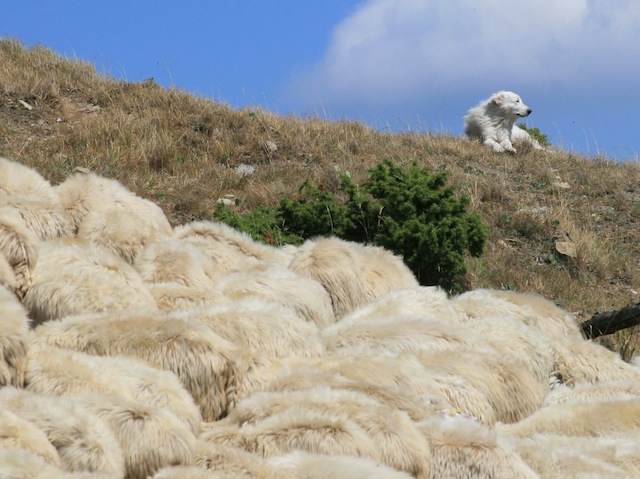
[[274, 283], [19, 247], [255, 371], [260, 326], [463, 395], [18, 433], [398, 334], [232, 463], [511, 390], [14, 339], [399, 442], [548, 317], [60, 372], [532, 309], [23, 464], [17, 179], [574, 457], [594, 392], [225, 257], [588, 362], [514, 341], [193, 472], [125, 229], [150, 438], [428, 302], [174, 261], [464, 448], [83, 441], [7, 276], [44, 217], [320, 466], [83, 193], [352, 273], [402, 372], [299, 429], [219, 241], [76, 277], [301, 378], [599, 418], [174, 296], [202, 360]]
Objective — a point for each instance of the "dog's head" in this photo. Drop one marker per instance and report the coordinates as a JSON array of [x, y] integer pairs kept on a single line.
[[510, 103]]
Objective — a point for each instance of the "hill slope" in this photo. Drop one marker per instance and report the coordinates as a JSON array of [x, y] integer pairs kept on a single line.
[[183, 152]]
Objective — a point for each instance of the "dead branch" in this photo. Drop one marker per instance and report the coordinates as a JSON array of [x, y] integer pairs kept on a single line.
[[602, 324]]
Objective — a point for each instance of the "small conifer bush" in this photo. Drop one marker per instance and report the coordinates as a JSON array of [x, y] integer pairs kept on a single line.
[[409, 210], [537, 135]]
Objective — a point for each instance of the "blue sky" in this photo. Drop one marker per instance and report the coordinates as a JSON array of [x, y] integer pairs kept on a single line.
[[415, 65]]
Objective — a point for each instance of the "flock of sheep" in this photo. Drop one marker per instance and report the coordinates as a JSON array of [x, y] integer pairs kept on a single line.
[[133, 349]]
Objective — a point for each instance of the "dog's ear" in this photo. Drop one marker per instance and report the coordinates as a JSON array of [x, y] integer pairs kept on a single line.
[[498, 99]]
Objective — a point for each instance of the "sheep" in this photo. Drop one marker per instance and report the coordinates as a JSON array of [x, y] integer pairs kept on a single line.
[[260, 326], [254, 372], [399, 442], [462, 447], [277, 284], [151, 438], [397, 334], [231, 462], [193, 472], [18, 433], [84, 442], [510, 389], [553, 456], [300, 378], [317, 466], [19, 247], [531, 309], [14, 339], [83, 193], [17, 179], [60, 372], [588, 362], [600, 418], [44, 217], [593, 392], [202, 360], [125, 229], [424, 301], [173, 296], [23, 464], [232, 249], [352, 273], [35, 200], [402, 372], [516, 341], [7, 276], [463, 396], [75, 277], [303, 429], [176, 261]]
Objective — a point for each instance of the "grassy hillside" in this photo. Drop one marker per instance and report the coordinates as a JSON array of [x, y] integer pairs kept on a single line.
[[183, 153]]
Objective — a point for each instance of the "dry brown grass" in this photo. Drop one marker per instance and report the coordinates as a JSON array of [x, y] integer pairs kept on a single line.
[[181, 152]]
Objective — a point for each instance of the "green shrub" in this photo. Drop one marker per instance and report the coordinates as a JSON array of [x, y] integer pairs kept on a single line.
[[313, 212], [422, 220], [536, 135], [261, 224], [408, 210]]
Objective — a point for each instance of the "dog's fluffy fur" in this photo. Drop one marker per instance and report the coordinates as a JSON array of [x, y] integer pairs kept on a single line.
[[493, 121]]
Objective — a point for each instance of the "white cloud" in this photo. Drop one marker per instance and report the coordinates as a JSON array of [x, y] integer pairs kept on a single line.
[[391, 51]]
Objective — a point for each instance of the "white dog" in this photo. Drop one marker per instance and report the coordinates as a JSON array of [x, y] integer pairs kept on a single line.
[[493, 121]]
